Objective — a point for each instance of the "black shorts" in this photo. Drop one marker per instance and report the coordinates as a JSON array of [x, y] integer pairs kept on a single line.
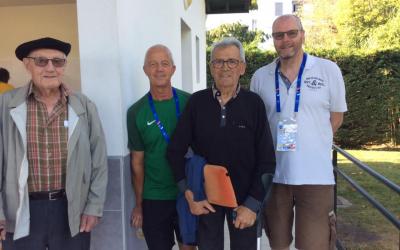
[[160, 222]]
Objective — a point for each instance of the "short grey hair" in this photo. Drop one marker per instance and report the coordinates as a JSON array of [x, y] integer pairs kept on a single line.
[[289, 16], [159, 46], [226, 42]]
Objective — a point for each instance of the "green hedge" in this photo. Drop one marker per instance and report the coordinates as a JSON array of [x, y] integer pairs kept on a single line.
[[372, 93]]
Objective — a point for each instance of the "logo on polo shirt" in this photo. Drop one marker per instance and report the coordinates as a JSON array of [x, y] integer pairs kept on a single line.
[[314, 83], [149, 123]]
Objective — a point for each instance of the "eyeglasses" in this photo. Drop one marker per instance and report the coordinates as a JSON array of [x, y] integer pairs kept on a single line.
[[219, 63], [162, 64], [43, 61], [280, 35]]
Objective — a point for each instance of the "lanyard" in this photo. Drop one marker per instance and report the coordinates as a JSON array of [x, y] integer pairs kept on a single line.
[[298, 86], [158, 122]]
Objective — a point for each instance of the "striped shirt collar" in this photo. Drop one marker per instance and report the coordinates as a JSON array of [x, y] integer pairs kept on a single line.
[[64, 92]]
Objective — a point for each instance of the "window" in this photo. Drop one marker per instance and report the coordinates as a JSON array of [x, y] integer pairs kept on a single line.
[[295, 7], [186, 55], [254, 24], [278, 8]]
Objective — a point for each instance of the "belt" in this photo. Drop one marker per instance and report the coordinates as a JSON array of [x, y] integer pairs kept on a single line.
[[50, 195]]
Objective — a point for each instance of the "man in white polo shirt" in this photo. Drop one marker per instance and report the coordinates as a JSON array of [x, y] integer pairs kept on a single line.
[[305, 100]]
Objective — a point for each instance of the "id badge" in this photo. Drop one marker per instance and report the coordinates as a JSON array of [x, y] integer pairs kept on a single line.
[[287, 133]]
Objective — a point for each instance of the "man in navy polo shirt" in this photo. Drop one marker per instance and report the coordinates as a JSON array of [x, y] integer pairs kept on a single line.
[[227, 125]]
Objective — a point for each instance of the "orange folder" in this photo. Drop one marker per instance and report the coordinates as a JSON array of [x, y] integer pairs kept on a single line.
[[218, 186]]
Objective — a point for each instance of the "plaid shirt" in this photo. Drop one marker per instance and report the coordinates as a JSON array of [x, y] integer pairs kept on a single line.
[[47, 137]]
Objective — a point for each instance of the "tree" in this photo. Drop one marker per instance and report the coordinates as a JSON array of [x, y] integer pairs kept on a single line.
[[351, 24], [253, 5], [387, 35], [318, 22], [369, 24], [249, 38]]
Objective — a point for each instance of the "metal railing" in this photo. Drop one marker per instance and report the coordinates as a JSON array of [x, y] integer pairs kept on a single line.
[[377, 205]]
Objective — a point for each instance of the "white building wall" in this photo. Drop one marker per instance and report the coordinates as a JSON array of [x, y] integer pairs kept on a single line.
[[195, 18], [100, 65]]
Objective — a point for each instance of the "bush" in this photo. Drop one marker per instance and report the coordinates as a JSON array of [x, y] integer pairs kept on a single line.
[[372, 93], [373, 97]]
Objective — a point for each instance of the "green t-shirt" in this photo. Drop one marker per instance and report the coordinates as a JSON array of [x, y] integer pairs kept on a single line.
[[144, 135]]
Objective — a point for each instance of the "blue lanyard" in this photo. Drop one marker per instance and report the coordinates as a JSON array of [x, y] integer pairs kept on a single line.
[[158, 122], [298, 86]]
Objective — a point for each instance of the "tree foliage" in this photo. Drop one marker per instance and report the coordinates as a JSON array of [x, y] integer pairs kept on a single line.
[[369, 24], [352, 24], [373, 97], [319, 23], [249, 38], [253, 5]]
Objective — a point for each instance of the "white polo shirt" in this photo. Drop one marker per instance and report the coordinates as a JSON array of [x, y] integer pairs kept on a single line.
[[322, 92]]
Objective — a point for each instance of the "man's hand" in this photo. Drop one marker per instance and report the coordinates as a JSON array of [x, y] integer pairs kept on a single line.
[[137, 217], [2, 229], [244, 217], [88, 222], [198, 207]]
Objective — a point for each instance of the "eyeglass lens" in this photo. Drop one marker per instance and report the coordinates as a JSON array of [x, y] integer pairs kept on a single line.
[[281, 35], [219, 63], [43, 61]]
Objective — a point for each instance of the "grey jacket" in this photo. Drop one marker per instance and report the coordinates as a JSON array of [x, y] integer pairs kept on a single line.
[[86, 179]]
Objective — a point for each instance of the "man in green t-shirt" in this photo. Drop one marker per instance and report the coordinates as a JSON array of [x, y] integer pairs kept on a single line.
[[151, 121]]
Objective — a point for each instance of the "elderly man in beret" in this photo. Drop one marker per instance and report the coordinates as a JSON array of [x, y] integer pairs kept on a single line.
[[53, 158]]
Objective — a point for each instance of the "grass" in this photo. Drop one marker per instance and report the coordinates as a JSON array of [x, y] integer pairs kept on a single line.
[[361, 226]]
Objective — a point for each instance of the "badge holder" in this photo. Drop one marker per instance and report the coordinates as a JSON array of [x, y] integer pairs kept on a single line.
[[286, 135]]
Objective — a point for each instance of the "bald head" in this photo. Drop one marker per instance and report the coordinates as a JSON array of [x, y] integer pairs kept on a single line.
[[287, 17], [156, 48]]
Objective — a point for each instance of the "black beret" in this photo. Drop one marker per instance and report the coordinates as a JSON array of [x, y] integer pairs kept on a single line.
[[24, 49]]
